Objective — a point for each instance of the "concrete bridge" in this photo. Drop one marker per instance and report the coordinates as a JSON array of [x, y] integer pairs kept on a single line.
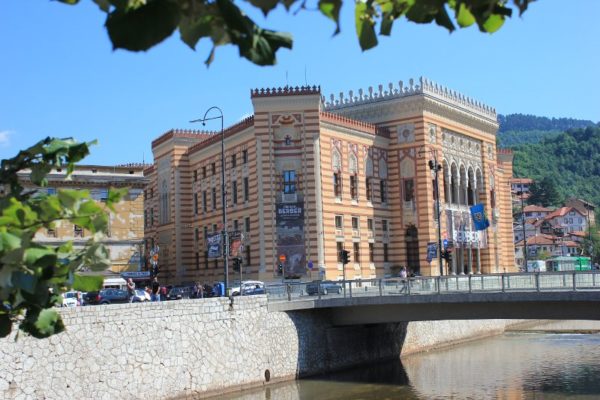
[[551, 295]]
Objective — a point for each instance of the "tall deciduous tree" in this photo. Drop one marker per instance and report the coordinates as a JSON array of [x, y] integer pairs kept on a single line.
[[545, 193], [33, 275], [138, 25]]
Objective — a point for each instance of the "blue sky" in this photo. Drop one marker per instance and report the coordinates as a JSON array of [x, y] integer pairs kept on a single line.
[[60, 77]]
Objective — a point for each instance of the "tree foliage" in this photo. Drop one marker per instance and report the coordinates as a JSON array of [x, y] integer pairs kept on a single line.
[[137, 25], [571, 160], [591, 243], [33, 275], [545, 193]]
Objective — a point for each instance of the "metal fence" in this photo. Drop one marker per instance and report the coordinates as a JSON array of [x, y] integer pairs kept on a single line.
[[518, 282]]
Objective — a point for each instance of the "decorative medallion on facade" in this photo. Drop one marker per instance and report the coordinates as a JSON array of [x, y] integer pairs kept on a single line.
[[432, 133], [406, 133]]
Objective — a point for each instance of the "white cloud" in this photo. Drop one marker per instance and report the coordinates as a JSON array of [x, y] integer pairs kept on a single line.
[[5, 138]]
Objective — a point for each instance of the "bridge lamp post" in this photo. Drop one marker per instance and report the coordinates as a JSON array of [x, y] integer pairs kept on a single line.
[[223, 192], [520, 194], [435, 168]]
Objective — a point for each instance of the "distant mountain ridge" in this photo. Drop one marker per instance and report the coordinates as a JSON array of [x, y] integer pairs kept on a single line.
[[526, 122], [516, 129]]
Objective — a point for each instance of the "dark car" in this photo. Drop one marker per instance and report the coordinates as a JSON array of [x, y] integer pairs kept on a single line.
[[106, 296], [324, 287], [180, 292]]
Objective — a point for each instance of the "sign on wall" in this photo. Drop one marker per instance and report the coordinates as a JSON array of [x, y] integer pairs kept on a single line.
[[213, 245], [290, 238]]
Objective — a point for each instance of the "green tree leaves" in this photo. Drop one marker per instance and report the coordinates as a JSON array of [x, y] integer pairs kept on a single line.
[[138, 25], [33, 275]]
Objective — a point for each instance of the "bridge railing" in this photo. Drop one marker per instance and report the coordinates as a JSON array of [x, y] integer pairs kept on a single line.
[[510, 282]]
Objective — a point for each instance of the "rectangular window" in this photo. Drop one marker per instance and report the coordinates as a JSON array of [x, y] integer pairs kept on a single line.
[[383, 190], [384, 225], [197, 237], [355, 223], [371, 252], [236, 225], [195, 175], [151, 216], [246, 189], [214, 228], [245, 156], [233, 161], [409, 190], [385, 252], [204, 172], [216, 264], [204, 205], [51, 233], [206, 259], [77, 231], [356, 252], [145, 218], [247, 224], [248, 256], [370, 224], [234, 191], [340, 247], [369, 187], [339, 224], [337, 186], [214, 198], [353, 187], [196, 203], [197, 260], [205, 233], [289, 182], [214, 168]]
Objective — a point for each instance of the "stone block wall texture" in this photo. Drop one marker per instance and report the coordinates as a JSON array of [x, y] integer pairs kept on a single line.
[[195, 348]]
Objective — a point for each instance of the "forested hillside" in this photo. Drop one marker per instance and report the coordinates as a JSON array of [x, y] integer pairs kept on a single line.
[[571, 159], [518, 129]]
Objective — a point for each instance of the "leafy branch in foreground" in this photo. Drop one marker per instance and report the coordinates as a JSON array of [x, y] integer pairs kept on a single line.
[[33, 275], [138, 25]]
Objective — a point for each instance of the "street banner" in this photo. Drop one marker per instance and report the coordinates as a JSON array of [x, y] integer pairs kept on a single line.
[[431, 251], [479, 219], [236, 246], [213, 245]]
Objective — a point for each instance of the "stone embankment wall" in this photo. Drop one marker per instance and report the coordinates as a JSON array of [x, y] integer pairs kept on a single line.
[[194, 348]]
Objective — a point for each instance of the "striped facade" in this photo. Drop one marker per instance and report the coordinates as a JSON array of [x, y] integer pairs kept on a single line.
[[306, 178]]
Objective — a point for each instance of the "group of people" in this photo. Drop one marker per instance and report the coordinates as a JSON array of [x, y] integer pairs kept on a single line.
[[159, 293]]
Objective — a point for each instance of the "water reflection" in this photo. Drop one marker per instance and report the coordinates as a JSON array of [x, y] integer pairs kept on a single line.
[[512, 366]]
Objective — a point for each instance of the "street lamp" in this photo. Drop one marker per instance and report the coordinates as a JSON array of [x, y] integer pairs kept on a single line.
[[521, 193], [223, 191], [435, 168]]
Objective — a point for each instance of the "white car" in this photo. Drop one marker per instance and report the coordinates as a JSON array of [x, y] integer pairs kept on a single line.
[[141, 295], [69, 299], [247, 286]]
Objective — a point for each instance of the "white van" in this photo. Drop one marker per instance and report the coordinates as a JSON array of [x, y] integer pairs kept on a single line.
[[536, 266], [114, 283]]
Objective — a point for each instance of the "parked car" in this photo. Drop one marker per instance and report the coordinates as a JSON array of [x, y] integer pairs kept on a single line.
[[324, 287], [179, 292], [107, 296], [69, 299], [253, 288], [246, 286]]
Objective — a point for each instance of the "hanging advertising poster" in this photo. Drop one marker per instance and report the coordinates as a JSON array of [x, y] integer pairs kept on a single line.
[[236, 246], [213, 245], [290, 238]]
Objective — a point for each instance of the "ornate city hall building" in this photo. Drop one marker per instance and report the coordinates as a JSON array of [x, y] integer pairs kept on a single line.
[[307, 176]]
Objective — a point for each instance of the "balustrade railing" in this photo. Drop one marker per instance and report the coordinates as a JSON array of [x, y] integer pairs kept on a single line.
[[441, 285]]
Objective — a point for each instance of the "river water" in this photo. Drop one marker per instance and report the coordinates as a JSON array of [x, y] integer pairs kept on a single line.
[[512, 366]]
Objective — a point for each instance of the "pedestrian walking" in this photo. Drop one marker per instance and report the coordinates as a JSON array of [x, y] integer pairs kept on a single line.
[[130, 289], [155, 295]]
